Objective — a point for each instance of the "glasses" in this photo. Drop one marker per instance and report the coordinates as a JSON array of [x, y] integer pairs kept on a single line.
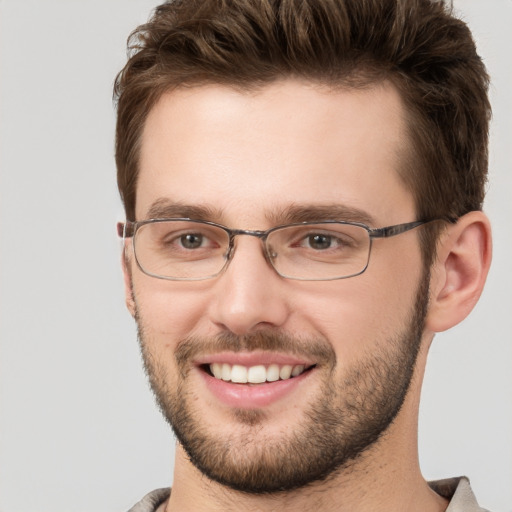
[[193, 250]]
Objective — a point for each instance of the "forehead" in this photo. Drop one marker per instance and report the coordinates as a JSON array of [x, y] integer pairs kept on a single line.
[[247, 154]]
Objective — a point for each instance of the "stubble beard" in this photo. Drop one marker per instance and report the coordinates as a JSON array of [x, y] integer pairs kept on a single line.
[[347, 419]]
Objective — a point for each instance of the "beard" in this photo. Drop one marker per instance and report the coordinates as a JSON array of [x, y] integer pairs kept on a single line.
[[352, 411]]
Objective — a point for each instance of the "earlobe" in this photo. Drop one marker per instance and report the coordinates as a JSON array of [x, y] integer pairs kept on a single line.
[[460, 270], [128, 286]]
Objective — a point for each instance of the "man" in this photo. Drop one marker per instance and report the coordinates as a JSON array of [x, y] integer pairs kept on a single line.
[[303, 184]]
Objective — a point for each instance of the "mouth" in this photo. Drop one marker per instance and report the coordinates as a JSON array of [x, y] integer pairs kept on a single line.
[[254, 380], [256, 374]]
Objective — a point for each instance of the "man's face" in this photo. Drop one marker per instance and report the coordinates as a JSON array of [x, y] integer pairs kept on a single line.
[[252, 161]]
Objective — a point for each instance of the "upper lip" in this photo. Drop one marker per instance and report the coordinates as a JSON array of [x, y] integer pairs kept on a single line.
[[253, 359]]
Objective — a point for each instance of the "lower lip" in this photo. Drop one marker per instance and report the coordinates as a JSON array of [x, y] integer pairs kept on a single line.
[[252, 396]]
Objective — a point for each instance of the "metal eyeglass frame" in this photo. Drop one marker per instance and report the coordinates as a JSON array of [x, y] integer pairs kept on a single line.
[[128, 229]]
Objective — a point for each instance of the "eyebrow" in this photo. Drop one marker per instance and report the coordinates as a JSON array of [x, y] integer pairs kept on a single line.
[[165, 208], [296, 213]]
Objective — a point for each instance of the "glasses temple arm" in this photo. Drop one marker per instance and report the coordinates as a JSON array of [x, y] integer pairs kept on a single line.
[[125, 229], [402, 228]]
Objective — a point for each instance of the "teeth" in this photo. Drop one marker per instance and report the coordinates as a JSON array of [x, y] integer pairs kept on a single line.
[[226, 372], [273, 373], [297, 370], [255, 374], [285, 372], [239, 374], [216, 369]]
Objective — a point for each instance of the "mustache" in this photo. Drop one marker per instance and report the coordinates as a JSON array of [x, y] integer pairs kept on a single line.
[[317, 349]]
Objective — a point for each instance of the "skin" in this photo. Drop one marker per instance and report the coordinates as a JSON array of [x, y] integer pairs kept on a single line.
[[249, 156]]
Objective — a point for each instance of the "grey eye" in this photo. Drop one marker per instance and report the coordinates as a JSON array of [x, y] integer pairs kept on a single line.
[[320, 241], [191, 241]]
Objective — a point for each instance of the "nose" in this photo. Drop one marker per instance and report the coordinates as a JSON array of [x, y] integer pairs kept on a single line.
[[249, 294]]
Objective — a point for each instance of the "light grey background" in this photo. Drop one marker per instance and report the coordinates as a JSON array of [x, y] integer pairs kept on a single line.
[[78, 427]]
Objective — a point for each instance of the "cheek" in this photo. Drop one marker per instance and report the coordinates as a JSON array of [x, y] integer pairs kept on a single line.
[[169, 311], [362, 313]]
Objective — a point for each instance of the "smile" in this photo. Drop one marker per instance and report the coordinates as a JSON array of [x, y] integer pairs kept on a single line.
[[254, 379], [257, 374]]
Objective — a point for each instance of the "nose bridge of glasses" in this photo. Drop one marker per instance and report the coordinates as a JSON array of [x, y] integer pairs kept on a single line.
[[249, 232], [262, 235]]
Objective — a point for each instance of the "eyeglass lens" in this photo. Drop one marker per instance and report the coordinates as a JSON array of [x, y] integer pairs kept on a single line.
[[194, 250]]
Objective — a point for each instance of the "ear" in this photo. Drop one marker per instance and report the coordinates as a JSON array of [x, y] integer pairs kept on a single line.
[[128, 285], [460, 270]]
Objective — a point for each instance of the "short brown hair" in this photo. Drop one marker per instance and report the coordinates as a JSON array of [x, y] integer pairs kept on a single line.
[[419, 45]]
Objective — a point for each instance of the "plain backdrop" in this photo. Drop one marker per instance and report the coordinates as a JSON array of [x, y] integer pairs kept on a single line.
[[79, 430]]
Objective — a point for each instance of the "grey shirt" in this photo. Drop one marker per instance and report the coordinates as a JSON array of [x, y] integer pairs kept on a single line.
[[457, 490]]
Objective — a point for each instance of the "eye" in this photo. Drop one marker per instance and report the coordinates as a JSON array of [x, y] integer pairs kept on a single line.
[[189, 239], [323, 241], [320, 241], [192, 240], [317, 239], [182, 239]]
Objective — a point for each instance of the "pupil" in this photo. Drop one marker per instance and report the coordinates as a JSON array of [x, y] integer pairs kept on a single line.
[[320, 241], [191, 241]]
